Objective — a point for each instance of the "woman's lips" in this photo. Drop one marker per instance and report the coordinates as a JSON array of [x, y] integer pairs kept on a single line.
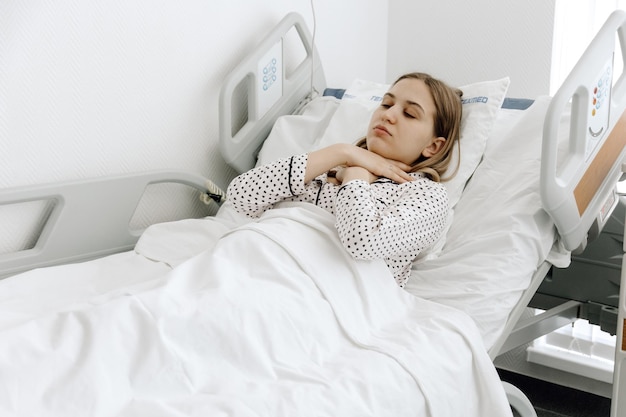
[[382, 129]]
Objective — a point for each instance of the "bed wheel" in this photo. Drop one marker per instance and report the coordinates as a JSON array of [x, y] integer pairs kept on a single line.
[[519, 401]]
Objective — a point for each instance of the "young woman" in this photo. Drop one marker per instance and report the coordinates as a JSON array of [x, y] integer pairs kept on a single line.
[[385, 191]]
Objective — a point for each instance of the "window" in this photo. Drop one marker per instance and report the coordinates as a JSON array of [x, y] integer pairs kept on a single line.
[[575, 24]]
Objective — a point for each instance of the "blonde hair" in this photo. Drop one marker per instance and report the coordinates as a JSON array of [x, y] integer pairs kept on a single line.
[[447, 124]]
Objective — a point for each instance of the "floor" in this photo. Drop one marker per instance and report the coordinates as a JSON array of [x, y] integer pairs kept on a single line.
[[552, 400]]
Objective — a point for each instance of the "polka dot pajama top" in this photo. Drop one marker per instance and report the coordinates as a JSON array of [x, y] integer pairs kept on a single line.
[[384, 219]]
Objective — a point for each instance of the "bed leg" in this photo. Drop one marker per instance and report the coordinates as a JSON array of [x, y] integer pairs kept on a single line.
[[618, 400], [519, 401]]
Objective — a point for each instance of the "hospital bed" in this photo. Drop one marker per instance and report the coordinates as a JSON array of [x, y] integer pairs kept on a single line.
[[170, 320]]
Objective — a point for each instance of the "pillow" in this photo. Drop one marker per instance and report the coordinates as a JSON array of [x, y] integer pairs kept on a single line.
[[297, 134], [481, 104], [350, 121]]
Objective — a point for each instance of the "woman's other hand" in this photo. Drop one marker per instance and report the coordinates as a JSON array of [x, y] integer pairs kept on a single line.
[[352, 156], [377, 166]]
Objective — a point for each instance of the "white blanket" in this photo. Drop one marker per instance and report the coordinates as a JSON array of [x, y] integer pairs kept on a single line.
[[275, 320]]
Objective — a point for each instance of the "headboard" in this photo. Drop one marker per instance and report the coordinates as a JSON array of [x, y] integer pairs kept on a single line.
[[578, 183], [262, 88]]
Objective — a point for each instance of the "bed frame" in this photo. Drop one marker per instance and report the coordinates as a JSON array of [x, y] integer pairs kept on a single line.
[[579, 196]]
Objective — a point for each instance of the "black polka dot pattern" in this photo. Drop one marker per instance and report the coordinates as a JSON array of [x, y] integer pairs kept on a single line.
[[384, 219]]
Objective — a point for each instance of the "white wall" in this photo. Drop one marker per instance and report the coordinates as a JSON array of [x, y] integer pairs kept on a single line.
[[96, 87], [464, 42], [92, 87], [352, 37]]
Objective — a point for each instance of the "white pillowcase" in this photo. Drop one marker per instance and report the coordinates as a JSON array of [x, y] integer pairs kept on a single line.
[[297, 134], [350, 121]]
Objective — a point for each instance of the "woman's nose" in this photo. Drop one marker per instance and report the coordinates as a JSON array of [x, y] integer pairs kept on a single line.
[[389, 115]]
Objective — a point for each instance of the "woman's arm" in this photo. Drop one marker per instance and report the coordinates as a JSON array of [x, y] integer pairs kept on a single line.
[[410, 224], [258, 189]]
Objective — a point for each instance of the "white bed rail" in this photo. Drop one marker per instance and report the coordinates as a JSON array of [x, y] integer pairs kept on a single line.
[[580, 190], [265, 99], [75, 230]]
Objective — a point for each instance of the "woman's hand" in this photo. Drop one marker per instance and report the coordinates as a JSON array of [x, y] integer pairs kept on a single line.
[[341, 174], [377, 166], [347, 156], [344, 157]]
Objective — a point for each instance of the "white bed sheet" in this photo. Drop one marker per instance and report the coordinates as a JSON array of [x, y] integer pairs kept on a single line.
[[132, 323], [48, 291], [255, 326]]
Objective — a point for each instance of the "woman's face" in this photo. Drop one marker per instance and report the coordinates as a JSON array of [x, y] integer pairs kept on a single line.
[[402, 127]]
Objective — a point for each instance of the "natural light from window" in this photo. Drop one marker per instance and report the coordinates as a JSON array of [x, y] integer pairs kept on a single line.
[[575, 24]]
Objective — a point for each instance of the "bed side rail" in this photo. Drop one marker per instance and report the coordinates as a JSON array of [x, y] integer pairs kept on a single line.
[[260, 89], [88, 218], [579, 190]]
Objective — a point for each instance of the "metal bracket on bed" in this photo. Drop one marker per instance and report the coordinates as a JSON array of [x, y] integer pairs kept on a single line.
[[213, 194], [89, 218]]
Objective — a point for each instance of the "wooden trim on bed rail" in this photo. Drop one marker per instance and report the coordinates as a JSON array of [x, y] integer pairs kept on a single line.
[[624, 336], [601, 164]]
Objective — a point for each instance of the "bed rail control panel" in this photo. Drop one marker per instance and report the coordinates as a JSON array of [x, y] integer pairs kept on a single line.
[[270, 79], [599, 104]]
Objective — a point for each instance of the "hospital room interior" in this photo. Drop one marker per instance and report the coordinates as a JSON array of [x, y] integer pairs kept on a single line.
[[92, 89]]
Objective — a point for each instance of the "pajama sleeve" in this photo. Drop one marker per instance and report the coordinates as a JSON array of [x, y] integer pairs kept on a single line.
[[413, 222], [257, 190]]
